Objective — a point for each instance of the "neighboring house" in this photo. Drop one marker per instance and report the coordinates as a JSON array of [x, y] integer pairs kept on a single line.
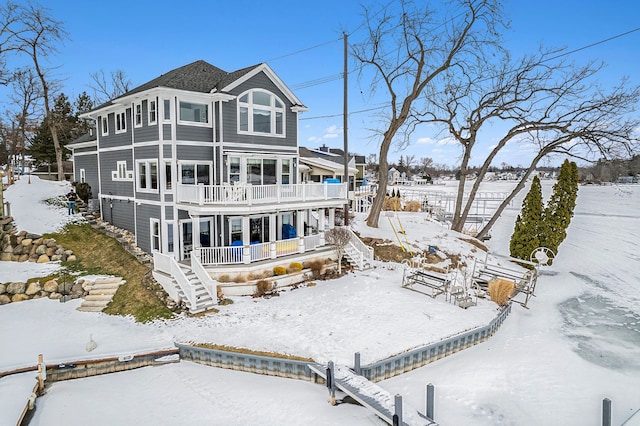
[[322, 164], [202, 166], [394, 176]]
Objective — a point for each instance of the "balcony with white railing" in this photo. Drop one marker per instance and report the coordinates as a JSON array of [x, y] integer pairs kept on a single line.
[[235, 255], [250, 195]]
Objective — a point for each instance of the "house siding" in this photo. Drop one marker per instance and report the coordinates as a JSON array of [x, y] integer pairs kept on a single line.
[[89, 163], [166, 132], [230, 123], [119, 213], [195, 153], [194, 133], [144, 213], [113, 140], [108, 164]]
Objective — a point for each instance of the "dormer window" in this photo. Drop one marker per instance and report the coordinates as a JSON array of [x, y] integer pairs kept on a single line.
[[260, 112]]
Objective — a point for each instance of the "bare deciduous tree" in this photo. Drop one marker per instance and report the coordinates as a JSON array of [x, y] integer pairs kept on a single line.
[[9, 15], [338, 238], [411, 50], [545, 104], [38, 35], [106, 89], [26, 97]]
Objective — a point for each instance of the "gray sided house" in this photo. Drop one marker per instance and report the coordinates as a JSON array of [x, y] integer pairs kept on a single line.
[[202, 165]]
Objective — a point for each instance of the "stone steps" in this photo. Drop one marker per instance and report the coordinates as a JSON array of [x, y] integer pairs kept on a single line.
[[100, 294]]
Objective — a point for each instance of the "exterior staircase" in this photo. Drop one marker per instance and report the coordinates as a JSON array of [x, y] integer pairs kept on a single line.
[[358, 254], [100, 294], [203, 299]]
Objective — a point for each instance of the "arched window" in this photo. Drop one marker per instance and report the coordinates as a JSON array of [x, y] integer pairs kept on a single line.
[[260, 112]]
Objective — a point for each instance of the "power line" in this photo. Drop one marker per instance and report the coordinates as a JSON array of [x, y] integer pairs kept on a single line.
[[570, 52], [306, 49]]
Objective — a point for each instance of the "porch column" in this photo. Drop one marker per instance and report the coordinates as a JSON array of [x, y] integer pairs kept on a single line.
[[273, 237], [300, 229], [246, 230], [195, 228], [332, 218], [321, 213]]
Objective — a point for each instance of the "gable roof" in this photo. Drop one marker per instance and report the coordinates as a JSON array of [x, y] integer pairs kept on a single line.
[[200, 76]]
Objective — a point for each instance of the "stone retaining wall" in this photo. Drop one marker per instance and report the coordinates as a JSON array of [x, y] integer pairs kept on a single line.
[[26, 247], [18, 291]]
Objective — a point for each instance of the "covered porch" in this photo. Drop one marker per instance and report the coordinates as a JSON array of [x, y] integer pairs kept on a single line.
[[244, 239]]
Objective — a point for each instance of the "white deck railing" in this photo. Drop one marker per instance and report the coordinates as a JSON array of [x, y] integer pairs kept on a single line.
[[259, 194], [365, 250], [311, 242], [204, 277], [259, 251], [285, 247]]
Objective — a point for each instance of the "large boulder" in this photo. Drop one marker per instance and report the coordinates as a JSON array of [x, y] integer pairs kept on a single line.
[[3, 288], [55, 296], [77, 290], [41, 249], [43, 258], [71, 258], [33, 288], [27, 242], [4, 299], [50, 251], [5, 257], [16, 288], [51, 286], [19, 297]]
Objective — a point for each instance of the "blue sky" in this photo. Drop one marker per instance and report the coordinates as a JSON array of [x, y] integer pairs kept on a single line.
[[301, 41]]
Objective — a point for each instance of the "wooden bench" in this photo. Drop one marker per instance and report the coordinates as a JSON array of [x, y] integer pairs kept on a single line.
[[428, 282]]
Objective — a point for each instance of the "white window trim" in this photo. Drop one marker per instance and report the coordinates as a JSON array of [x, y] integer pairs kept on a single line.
[[273, 109], [195, 165], [164, 110], [83, 176], [153, 236], [166, 181], [168, 224], [121, 166], [148, 176], [149, 111], [195, 123], [137, 107], [123, 122], [105, 125]]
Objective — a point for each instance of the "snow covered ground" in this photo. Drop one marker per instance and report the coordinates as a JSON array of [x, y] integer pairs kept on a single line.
[[552, 364]]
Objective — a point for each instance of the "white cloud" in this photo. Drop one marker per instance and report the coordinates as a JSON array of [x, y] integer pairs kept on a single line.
[[446, 141], [426, 140]]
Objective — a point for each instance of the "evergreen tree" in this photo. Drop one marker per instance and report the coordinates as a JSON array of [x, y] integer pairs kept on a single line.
[[526, 233], [559, 211], [68, 126]]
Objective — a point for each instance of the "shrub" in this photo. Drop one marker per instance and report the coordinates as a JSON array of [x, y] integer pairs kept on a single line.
[[279, 270], [240, 278], [392, 203], [412, 206], [295, 267], [501, 290], [84, 191], [224, 278], [316, 267], [263, 287]]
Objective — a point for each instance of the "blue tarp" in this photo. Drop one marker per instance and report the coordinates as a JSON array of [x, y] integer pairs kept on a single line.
[[288, 231]]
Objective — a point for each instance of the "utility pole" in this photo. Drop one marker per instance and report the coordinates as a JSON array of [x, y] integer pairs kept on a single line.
[[345, 131]]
